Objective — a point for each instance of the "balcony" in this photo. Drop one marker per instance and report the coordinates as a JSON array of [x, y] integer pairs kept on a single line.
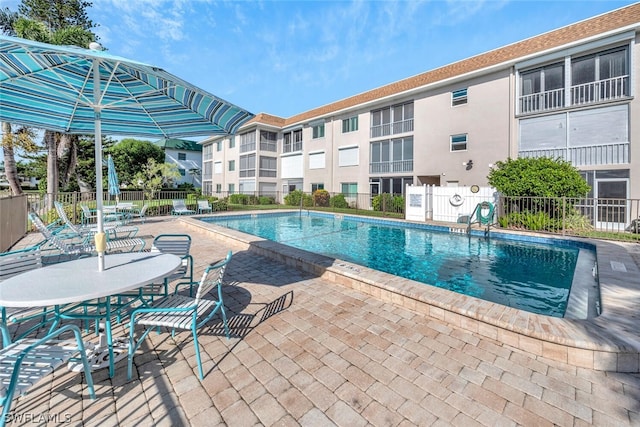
[[605, 154], [250, 146], [602, 90], [584, 94], [391, 167], [392, 128]]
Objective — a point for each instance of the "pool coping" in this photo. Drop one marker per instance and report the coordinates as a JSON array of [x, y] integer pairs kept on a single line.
[[609, 342]]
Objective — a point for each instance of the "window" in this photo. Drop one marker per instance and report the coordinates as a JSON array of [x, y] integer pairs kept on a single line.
[[542, 88], [348, 156], [394, 155], [349, 188], [318, 131], [232, 165], [208, 151], [217, 167], [459, 142], [315, 187], [268, 167], [292, 141], [219, 146], [459, 97], [206, 174], [317, 160], [391, 120], [350, 125], [609, 68], [247, 142], [248, 165], [182, 172], [218, 188], [232, 188], [182, 156], [232, 142], [268, 141]]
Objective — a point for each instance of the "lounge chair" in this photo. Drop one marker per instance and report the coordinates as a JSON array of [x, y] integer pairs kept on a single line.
[[180, 208], [204, 207], [72, 248], [114, 230]]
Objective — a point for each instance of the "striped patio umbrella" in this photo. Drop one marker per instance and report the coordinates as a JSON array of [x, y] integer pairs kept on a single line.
[[88, 91], [112, 179]]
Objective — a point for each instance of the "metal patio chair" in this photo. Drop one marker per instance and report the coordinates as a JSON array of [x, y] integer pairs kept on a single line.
[[178, 311], [25, 362]]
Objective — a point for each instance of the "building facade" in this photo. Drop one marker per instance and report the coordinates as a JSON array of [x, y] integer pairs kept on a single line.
[[569, 93], [187, 156]]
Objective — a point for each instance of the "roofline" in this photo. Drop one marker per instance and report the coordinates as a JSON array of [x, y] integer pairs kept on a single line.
[[631, 12]]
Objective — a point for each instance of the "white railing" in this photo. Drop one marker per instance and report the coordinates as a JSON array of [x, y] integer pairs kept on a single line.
[[543, 101], [392, 128], [601, 90], [251, 146], [388, 167], [603, 154], [598, 91]]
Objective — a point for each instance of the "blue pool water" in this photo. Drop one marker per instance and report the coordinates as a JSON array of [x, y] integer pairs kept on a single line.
[[529, 276]]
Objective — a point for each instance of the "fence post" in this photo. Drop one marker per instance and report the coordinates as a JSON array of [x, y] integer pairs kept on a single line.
[[564, 210]]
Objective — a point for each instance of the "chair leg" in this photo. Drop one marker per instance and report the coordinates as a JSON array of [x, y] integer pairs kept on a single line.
[[197, 349]]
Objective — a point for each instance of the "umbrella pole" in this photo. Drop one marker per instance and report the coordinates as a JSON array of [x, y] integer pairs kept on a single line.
[[100, 238]]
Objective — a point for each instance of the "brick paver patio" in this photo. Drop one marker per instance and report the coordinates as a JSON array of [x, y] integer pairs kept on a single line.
[[306, 351]]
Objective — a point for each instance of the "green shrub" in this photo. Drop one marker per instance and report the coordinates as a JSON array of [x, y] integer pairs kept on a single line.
[[386, 202], [239, 199], [338, 201], [293, 199], [321, 198], [264, 200]]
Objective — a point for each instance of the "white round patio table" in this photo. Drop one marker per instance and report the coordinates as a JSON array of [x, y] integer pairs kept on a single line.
[[79, 280]]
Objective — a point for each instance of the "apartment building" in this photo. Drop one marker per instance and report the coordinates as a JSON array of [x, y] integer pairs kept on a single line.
[[569, 93]]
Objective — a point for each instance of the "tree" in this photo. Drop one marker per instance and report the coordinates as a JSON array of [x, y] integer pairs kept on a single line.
[[21, 137], [537, 177], [131, 155], [156, 175]]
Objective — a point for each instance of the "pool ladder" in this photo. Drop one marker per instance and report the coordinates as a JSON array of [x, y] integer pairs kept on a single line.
[[481, 219]]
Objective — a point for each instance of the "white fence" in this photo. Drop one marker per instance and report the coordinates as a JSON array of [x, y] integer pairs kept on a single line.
[[449, 204]]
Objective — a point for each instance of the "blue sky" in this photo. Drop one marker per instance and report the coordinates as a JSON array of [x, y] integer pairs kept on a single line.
[[287, 57]]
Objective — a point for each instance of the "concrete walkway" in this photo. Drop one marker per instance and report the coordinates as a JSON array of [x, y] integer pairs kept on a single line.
[[309, 352]]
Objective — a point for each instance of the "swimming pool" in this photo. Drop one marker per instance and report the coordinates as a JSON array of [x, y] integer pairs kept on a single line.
[[534, 275]]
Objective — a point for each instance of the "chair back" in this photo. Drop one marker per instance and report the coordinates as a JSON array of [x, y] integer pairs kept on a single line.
[[143, 211], [63, 216], [179, 204], [212, 277], [203, 204], [56, 241], [176, 244], [12, 263]]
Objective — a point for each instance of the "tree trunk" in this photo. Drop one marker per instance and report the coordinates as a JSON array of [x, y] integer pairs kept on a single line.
[[10, 168], [52, 167]]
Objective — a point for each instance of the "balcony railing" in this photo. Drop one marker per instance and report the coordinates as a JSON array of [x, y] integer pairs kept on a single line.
[[391, 167], [251, 146], [392, 128], [268, 146], [588, 93], [602, 90], [603, 154], [542, 101]]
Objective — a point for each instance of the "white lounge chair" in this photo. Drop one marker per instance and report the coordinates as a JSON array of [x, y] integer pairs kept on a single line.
[[204, 207], [180, 208]]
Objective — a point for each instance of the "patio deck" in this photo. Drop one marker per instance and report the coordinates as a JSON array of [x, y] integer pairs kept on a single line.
[[308, 351]]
